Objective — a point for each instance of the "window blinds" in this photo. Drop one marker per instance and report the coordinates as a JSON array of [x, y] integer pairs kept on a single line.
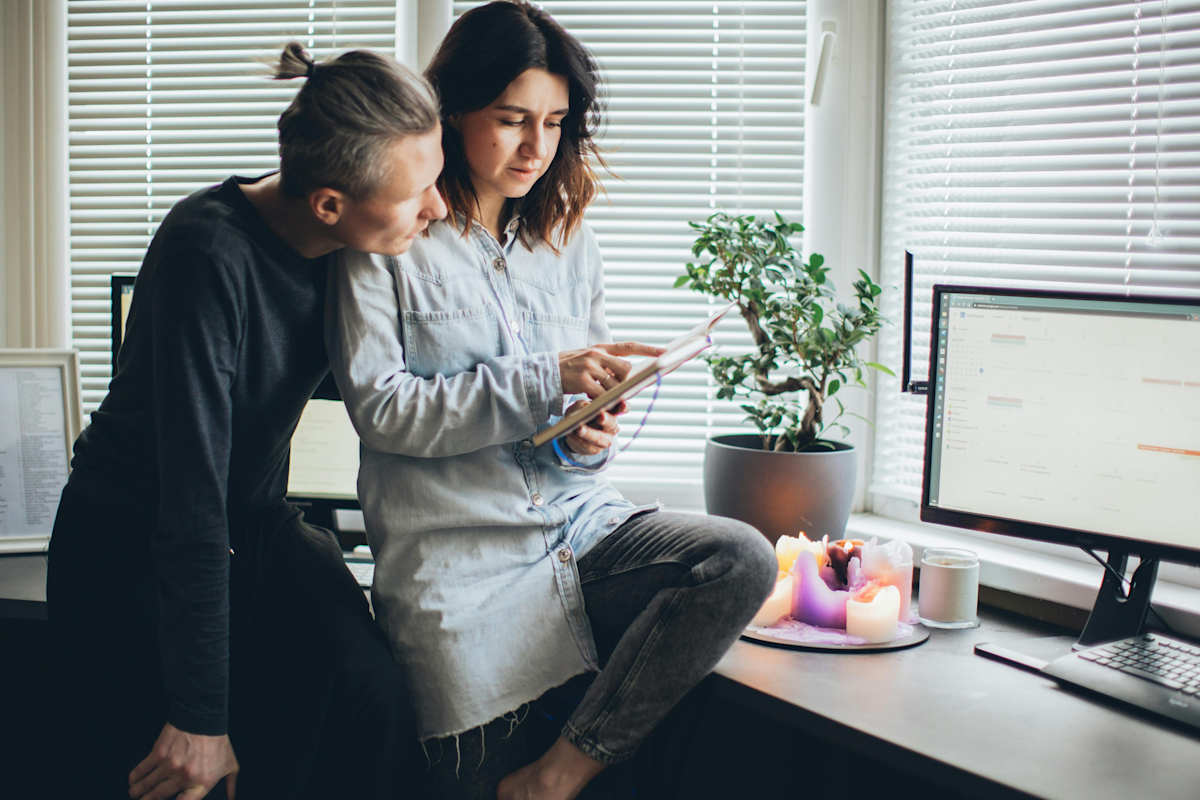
[[165, 98], [705, 113], [1023, 147]]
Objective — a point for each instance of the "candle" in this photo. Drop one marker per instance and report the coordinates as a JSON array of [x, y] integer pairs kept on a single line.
[[812, 601], [840, 554], [779, 604], [949, 588], [786, 550], [891, 564], [872, 614]]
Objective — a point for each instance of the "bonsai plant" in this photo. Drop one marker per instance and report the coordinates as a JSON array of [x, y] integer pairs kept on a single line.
[[804, 353]]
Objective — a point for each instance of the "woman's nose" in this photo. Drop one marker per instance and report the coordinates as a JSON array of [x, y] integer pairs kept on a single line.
[[534, 145]]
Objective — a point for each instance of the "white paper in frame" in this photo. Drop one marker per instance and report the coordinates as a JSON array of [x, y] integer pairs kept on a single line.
[[40, 418]]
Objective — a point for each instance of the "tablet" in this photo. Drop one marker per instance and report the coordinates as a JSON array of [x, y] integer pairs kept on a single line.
[[678, 353]]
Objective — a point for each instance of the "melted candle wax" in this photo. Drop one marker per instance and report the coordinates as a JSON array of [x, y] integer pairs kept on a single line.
[[891, 564], [813, 601]]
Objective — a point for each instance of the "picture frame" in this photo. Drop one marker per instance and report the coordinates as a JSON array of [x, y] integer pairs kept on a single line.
[[42, 417]]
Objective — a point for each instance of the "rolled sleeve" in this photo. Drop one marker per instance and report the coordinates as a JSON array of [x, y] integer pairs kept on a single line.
[[502, 400]]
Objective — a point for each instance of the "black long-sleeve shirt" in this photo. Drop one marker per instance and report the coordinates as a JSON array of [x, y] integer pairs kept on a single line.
[[222, 349]]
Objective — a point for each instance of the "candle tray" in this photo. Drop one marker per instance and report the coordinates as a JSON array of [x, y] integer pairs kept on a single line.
[[756, 634]]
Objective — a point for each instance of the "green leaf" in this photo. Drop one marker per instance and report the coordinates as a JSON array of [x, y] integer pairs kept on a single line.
[[860, 416], [833, 387], [879, 367], [681, 280], [816, 260]]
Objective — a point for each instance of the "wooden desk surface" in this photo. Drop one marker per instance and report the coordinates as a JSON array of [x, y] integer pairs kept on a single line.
[[983, 727], [936, 710], [23, 586]]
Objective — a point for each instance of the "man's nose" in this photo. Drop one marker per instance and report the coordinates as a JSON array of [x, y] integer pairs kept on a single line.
[[435, 206]]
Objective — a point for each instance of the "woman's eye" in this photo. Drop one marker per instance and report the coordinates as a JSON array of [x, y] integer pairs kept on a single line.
[[512, 123], [551, 124]]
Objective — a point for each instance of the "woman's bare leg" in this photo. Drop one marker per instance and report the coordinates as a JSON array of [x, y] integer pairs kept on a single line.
[[560, 774]]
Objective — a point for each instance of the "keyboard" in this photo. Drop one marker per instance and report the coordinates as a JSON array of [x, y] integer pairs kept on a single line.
[[1154, 672], [363, 572]]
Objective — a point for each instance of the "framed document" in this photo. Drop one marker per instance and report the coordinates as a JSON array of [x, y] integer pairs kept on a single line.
[[40, 418]]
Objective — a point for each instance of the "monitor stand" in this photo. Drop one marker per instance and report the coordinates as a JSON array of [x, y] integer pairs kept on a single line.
[[1115, 615]]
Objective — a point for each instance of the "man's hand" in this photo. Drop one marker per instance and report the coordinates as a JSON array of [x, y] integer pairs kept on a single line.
[[596, 369], [184, 764], [598, 435]]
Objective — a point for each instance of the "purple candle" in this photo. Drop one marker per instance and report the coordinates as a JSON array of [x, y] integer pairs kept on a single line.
[[814, 602]]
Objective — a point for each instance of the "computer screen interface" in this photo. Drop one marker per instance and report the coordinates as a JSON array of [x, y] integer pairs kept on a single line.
[[1076, 412]]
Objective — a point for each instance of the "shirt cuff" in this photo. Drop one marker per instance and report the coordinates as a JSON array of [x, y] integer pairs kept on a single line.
[[200, 724], [543, 387], [582, 463]]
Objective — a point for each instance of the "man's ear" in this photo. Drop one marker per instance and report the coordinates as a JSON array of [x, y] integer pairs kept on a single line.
[[327, 205]]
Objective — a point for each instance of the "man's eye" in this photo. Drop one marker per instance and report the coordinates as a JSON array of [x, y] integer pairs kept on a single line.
[[512, 123]]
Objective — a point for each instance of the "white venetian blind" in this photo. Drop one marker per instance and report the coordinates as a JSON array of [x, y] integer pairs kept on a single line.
[[166, 97], [705, 113], [1023, 148]]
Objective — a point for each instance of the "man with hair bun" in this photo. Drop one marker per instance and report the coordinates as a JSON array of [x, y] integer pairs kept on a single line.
[[204, 638]]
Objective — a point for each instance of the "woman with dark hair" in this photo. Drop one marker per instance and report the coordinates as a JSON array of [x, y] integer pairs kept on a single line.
[[504, 571], [193, 614]]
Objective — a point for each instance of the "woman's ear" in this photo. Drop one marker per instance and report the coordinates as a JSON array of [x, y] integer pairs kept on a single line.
[[453, 122]]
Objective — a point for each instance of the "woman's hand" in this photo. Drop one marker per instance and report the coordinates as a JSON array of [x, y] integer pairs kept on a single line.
[[184, 764], [596, 369], [598, 435]]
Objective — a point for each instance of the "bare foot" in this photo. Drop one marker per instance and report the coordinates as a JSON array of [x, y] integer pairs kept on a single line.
[[560, 774]]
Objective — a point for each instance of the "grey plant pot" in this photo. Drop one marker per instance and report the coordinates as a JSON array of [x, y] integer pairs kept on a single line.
[[779, 493]]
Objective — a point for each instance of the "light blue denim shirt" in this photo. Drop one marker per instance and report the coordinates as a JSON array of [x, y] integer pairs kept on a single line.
[[446, 358]]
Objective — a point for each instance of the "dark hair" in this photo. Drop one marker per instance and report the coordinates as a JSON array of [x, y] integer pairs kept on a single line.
[[337, 130], [487, 49]]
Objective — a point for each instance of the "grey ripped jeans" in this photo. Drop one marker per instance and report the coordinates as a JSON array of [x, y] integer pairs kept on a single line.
[[667, 594]]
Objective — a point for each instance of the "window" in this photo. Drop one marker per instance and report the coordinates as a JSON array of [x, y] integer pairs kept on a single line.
[[165, 98], [706, 113], [1032, 144]]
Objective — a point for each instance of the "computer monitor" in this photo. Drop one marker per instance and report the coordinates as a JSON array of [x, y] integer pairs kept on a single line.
[[323, 475], [122, 299], [1071, 418]]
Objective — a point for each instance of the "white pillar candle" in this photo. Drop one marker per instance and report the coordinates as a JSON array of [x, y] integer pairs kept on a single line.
[[786, 550], [779, 604], [874, 618]]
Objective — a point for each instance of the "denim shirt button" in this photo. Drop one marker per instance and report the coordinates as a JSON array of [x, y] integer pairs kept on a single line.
[[537, 499], [526, 444], [513, 324], [613, 520], [564, 555], [499, 264]]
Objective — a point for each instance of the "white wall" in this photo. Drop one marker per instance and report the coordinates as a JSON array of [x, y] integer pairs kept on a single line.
[[4, 79], [842, 169], [36, 217]]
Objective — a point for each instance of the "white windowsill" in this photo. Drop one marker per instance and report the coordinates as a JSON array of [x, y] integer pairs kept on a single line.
[[1071, 582], [1020, 571]]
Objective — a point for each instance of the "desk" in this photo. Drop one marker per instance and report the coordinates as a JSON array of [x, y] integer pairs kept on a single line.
[[937, 711], [985, 728], [23, 586]]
